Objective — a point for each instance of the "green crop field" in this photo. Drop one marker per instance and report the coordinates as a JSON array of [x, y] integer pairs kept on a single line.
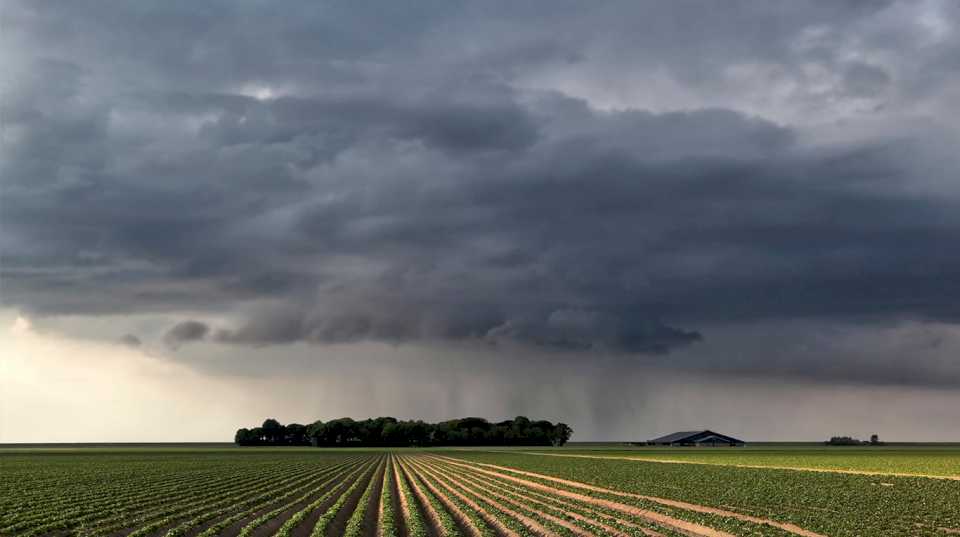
[[308, 492], [919, 460]]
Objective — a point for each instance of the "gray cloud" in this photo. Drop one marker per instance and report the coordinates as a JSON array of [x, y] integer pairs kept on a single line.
[[460, 174], [185, 332], [131, 340]]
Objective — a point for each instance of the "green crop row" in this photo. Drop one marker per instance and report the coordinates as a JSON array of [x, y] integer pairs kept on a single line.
[[387, 517], [445, 523], [92, 496], [466, 511], [355, 525], [416, 526], [297, 518], [826, 503], [320, 528]]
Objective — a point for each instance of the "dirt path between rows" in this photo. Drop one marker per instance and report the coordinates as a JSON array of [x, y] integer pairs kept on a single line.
[[487, 490], [401, 503], [569, 509], [339, 523], [373, 513], [456, 511], [683, 526], [752, 466], [532, 525], [305, 527], [786, 526], [431, 517]]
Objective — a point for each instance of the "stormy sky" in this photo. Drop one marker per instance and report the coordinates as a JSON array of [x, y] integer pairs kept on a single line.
[[634, 217]]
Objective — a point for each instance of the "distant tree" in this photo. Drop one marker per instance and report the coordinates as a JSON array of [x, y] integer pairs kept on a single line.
[[843, 441], [296, 435], [316, 432], [245, 437], [560, 434], [273, 431]]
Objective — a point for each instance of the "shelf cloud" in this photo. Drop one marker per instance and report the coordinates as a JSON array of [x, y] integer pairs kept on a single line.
[[639, 181]]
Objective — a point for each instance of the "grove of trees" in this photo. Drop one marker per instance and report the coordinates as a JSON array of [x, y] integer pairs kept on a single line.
[[387, 431], [850, 441]]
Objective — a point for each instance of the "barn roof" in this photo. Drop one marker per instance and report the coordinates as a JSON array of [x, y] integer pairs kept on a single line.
[[692, 436], [675, 437]]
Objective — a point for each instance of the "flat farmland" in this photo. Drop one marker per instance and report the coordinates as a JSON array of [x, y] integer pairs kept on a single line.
[[922, 460], [310, 492]]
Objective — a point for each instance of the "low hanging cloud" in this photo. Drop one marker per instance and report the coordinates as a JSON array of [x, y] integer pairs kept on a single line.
[[131, 340], [468, 177], [572, 330], [185, 332]]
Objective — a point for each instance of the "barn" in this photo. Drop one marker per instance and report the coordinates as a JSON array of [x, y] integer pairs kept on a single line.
[[696, 438]]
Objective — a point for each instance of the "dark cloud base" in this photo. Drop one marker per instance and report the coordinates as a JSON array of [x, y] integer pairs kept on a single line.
[[316, 186]]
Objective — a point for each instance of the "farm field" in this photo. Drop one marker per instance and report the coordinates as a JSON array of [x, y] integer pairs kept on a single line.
[[409, 492], [919, 460]]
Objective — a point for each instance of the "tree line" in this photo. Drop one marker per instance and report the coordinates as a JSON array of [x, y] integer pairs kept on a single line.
[[391, 432], [850, 441]]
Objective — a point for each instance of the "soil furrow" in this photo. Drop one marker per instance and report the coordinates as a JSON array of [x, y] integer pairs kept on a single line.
[[305, 527], [490, 518], [338, 525], [524, 501], [786, 526], [466, 526], [400, 502], [274, 524], [578, 511], [414, 518], [191, 512], [683, 526], [236, 526], [373, 513], [122, 524], [430, 514]]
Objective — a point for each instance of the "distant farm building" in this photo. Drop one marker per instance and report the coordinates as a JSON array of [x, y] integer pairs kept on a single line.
[[696, 438]]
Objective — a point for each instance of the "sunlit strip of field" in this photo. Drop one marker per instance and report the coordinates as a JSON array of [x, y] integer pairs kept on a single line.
[[920, 461]]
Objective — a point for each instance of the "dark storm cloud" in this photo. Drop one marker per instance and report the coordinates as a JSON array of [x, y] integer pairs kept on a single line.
[[342, 174], [185, 332]]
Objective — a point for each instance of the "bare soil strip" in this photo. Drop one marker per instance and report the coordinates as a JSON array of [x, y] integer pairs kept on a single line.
[[520, 495], [273, 524], [431, 517], [570, 508], [491, 493], [463, 521], [338, 525], [752, 466], [494, 523], [683, 526], [786, 526], [305, 527], [374, 513], [401, 503], [530, 523], [405, 503]]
